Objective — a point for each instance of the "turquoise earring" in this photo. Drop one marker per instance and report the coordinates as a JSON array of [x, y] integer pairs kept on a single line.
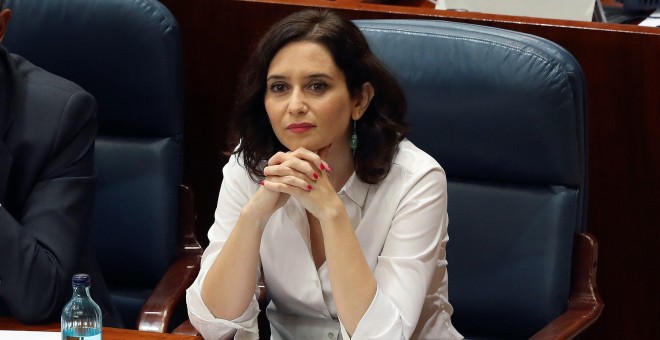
[[354, 138]]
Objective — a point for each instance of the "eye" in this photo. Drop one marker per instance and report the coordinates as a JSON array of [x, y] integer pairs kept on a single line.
[[318, 86], [277, 87]]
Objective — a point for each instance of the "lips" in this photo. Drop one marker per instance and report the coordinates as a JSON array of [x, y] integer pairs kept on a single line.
[[300, 127]]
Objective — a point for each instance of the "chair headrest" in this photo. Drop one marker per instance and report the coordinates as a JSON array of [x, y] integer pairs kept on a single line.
[[515, 103], [126, 53]]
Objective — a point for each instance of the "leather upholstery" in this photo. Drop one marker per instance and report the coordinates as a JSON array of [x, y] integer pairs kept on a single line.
[[504, 113], [127, 53]]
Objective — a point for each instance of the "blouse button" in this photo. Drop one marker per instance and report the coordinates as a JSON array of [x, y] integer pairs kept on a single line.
[[331, 336]]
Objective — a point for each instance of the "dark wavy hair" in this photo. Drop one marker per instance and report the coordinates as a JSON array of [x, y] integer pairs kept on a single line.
[[379, 130]]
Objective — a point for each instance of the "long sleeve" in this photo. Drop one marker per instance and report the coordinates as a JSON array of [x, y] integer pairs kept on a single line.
[[401, 226], [411, 259], [234, 193], [45, 221]]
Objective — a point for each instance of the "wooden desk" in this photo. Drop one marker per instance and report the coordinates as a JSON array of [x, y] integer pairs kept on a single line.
[[622, 68], [108, 332]]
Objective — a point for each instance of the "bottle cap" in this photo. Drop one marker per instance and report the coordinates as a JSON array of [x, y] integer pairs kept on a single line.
[[80, 280]]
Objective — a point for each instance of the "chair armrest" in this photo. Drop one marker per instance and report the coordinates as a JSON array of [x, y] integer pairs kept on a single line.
[[585, 303], [157, 311], [188, 242], [186, 328]]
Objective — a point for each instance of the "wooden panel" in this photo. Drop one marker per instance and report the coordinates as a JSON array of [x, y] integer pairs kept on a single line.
[[622, 68]]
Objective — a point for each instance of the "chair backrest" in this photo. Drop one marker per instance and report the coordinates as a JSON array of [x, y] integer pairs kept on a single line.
[[127, 53], [504, 114]]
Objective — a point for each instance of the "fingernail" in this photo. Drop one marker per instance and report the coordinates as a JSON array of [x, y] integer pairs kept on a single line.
[[316, 176], [329, 168], [322, 166], [309, 187], [262, 183]]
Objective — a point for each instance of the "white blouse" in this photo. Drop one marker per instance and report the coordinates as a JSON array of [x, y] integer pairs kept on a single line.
[[401, 225]]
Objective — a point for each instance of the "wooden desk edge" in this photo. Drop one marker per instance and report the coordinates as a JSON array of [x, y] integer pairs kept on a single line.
[[109, 333], [433, 13]]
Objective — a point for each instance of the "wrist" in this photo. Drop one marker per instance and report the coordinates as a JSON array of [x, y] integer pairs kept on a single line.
[[255, 216], [334, 214]]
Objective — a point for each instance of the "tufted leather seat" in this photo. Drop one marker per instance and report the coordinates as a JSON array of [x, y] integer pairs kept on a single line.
[[505, 114]]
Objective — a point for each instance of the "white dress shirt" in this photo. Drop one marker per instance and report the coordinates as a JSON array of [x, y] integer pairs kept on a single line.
[[401, 225]]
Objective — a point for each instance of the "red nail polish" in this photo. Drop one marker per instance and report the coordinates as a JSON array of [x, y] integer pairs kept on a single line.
[[316, 176], [262, 183], [329, 168], [309, 187], [322, 166]]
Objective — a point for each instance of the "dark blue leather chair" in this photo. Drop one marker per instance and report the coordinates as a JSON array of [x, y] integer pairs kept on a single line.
[[127, 53], [505, 114]]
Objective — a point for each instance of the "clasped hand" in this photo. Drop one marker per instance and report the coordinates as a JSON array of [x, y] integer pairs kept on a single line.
[[301, 174]]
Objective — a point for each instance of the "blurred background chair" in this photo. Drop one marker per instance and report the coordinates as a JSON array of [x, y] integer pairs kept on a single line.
[[127, 53], [505, 114]]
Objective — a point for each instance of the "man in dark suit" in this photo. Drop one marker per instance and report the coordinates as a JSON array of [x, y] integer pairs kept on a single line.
[[47, 178]]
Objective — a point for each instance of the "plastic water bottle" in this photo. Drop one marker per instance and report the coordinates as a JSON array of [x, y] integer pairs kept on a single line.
[[81, 316]]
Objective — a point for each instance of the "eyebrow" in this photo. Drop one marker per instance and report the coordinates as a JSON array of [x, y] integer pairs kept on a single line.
[[311, 76]]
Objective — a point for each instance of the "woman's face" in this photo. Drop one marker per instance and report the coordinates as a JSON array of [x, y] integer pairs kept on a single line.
[[307, 100]]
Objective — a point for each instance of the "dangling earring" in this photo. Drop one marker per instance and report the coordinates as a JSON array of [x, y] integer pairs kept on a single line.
[[354, 139]]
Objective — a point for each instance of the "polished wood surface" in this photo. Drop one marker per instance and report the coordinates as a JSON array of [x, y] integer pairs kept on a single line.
[[585, 304], [108, 332], [622, 70], [186, 328]]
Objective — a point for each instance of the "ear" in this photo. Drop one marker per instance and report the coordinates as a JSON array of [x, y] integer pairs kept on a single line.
[[5, 14], [363, 100]]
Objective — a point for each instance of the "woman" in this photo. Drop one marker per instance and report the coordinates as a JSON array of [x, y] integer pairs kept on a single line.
[[324, 200]]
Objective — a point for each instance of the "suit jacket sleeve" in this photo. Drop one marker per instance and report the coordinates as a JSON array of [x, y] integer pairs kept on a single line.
[[41, 245]]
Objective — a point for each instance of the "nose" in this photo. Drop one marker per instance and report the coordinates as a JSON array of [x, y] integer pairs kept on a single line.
[[297, 103]]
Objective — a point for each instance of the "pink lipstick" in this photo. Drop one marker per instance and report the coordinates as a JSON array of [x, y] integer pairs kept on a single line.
[[299, 127]]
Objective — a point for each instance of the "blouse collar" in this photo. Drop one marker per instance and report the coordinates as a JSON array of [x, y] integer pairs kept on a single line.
[[355, 189]]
